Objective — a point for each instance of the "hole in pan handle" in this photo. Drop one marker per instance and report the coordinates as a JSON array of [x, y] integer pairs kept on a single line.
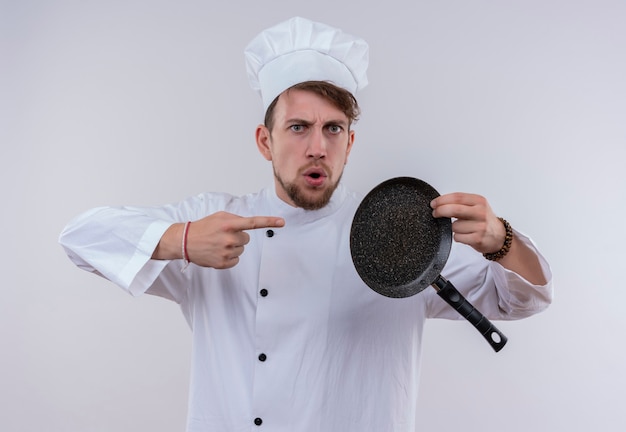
[[454, 298]]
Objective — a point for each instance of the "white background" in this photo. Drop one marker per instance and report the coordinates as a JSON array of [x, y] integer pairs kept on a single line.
[[146, 102]]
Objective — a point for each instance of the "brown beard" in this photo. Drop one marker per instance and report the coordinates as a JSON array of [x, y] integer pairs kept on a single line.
[[300, 199]]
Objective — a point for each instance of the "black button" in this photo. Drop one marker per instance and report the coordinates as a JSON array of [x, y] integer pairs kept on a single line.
[[264, 292], [269, 233], [262, 357], [258, 421]]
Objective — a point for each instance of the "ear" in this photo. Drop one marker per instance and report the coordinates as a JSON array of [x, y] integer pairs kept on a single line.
[[263, 138], [349, 148]]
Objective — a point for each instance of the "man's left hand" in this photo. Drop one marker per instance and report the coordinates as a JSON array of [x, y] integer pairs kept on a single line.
[[476, 224]]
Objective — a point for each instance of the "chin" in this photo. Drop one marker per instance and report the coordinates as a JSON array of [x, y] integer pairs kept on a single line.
[[305, 197], [310, 201]]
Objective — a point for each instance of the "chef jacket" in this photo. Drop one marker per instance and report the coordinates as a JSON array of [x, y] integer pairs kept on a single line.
[[291, 339]]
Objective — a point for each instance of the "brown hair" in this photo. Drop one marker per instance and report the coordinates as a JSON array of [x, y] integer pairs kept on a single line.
[[338, 97]]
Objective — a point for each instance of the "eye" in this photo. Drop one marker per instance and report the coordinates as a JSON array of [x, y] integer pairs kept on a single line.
[[335, 129], [296, 128]]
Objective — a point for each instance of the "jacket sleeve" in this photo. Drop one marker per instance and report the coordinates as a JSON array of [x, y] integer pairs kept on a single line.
[[496, 292], [117, 243]]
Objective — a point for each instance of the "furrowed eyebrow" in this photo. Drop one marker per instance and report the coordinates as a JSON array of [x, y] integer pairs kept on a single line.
[[299, 121], [342, 123]]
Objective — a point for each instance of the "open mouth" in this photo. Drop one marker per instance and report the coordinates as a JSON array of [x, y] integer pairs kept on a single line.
[[315, 176], [315, 173]]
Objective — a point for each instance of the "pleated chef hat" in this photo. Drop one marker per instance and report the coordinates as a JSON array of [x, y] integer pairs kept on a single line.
[[299, 50]]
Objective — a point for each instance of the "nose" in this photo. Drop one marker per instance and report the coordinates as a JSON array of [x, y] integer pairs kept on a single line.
[[316, 148]]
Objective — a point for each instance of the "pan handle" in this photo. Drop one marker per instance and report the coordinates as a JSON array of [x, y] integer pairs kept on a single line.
[[454, 298]]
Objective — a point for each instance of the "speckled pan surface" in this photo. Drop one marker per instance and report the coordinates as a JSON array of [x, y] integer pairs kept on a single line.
[[397, 246]]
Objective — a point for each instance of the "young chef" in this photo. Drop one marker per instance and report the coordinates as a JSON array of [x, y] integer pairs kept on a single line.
[[286, 337]]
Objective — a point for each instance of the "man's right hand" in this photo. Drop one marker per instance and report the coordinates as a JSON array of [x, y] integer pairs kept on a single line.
[[214, 241]]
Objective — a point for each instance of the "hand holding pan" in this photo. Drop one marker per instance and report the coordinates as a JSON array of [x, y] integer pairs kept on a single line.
[[398, 248]]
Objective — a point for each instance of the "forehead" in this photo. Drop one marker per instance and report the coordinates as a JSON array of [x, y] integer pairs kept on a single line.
[[306, 105]]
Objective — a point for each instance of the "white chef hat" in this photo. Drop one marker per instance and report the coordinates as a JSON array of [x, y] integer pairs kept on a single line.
[[299, 50]]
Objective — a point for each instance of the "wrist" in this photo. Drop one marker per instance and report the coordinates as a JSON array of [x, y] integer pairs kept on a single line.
[[506, 247], [169, 247]]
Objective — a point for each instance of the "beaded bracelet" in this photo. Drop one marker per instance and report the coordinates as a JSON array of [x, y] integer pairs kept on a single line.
[[185, 254], [508, 239]]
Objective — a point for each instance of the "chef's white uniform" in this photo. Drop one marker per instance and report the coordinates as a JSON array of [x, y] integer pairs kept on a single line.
[[290, 339]]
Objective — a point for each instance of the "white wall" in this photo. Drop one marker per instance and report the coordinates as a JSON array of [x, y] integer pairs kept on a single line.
[[146, 102]]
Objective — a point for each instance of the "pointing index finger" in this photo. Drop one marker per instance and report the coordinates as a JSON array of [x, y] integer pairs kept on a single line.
[[258, 222]]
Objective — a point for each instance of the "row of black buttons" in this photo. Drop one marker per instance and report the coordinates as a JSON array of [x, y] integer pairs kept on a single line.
[[262, 357]]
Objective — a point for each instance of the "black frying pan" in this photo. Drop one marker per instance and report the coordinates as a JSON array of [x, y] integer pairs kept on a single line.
[[399, 248]]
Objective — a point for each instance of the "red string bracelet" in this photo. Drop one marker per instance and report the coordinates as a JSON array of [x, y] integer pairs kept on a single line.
[[184, 247]]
